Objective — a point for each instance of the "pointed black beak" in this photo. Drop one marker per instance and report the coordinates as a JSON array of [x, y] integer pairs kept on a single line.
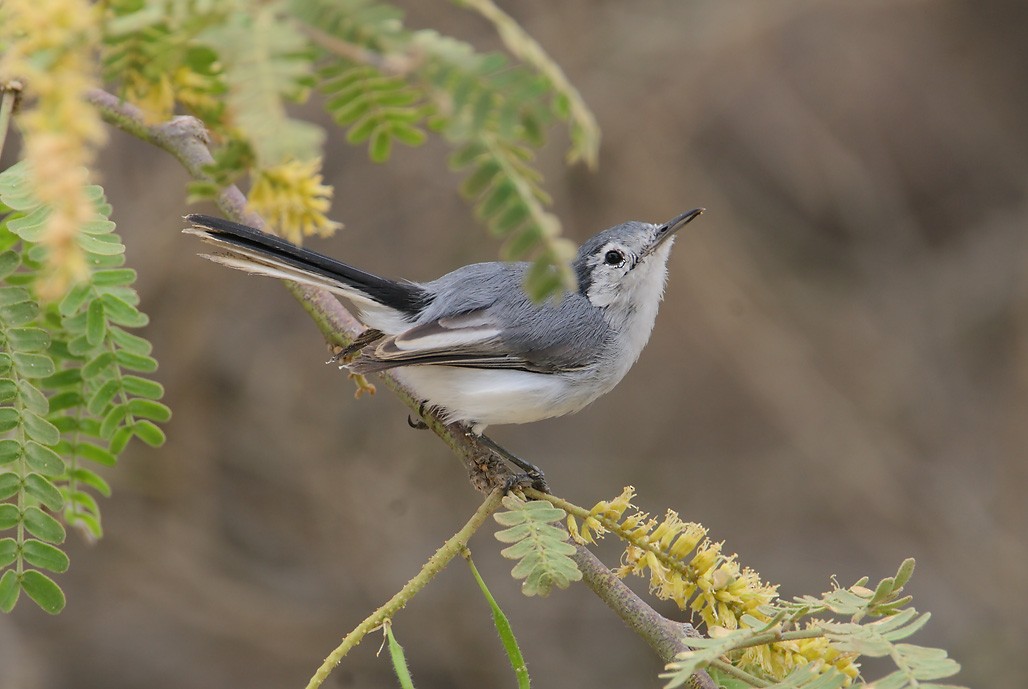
[[668, 229]]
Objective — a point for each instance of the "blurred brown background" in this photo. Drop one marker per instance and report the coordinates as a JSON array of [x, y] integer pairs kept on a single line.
[[837, 379]]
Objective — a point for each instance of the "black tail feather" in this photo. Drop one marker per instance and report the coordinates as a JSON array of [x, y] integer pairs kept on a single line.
[[401, 295]]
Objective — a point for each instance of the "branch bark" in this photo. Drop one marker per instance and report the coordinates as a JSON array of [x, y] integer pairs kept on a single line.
[[187, 140]]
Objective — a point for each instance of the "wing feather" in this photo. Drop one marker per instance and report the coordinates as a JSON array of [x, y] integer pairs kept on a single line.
[[471, 339]]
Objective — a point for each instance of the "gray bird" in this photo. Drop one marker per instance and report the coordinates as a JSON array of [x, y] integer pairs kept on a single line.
[[472, 344]]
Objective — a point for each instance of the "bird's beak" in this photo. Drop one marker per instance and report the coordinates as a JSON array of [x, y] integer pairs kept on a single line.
[[668, 229]]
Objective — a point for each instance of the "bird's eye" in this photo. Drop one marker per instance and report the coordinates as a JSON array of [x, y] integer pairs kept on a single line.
[[613, 258]]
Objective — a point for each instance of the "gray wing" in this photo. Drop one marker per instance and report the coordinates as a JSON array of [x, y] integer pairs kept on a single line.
[[480, 317]]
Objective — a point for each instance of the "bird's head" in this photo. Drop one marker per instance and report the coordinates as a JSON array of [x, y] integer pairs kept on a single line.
[[627, 263]]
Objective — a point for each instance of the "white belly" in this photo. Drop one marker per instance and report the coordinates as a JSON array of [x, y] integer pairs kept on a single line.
[[497, 396]]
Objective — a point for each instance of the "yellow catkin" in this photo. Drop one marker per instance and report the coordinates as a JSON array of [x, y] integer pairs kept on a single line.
[[293, 200], [50, 46], [712, 585]]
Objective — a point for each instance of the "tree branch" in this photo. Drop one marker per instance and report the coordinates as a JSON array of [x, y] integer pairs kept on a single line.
[[186, 139], [666, 637]]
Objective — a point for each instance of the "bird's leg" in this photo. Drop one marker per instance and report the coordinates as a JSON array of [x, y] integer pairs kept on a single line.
[[532, 472], [343, 355]]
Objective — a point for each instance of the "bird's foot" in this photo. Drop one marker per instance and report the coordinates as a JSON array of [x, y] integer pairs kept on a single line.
[[531, 476], [341, 356], [418, 424]]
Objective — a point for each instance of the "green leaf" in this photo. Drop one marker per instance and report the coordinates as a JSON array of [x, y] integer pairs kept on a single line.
[[906, 570], [120, 440], [87, 522], [149, 409], [101, 245], [135, 362], [10, 296], [9, 418], [121, 312], [10, 450], [62, 379], [43, 459], [8, 390], [19, 314], [142, 387], [32, 398], [9, 590], [9, 516], [98, 226], [84, 502], [43, 526], [91, 479], [28, 339], [79, 346], [129, 342], [102, 397], [149, 433], [9, 485], [41, 430], [44, 556], [33, 365], [74, 299], [380, 147], [480, 180], [114, 277], [45, 492], [8, 551], [65, 400], [503, 628], [96, 324], [112, 419], [9, 261], [97, 365], [398, 659], [42, 589]]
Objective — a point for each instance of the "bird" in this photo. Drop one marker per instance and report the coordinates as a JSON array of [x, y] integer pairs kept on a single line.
[[472, 344]]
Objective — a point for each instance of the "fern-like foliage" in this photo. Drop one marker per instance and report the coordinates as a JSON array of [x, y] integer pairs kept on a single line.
[[238, 64], [377, 108], [388, 84], [916, 666], [70, 398], [538, 544], [267, 63], [151, 53]]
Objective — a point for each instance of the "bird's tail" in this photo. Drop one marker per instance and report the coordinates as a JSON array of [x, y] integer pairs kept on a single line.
[[246, 248]]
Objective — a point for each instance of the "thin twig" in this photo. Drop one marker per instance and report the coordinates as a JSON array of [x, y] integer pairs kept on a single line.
[[393, 64], [729, 669], [435, 564]]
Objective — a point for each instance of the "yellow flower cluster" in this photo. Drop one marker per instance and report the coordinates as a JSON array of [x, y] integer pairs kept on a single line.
[[292, 200], [721, 592], [710, 584], [780, 658], [48, 45]]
